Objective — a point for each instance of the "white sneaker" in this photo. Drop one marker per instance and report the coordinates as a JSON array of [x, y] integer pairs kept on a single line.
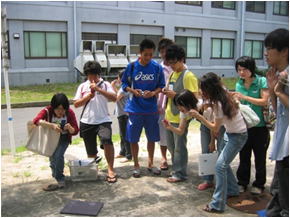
[[256, 191], [241, 189]]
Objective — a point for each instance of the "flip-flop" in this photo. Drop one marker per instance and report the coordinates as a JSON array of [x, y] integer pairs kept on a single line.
[[211, 210], [136, 173], [111, 179], [173, 179], [164, 166], [154, 170], [51, 187]]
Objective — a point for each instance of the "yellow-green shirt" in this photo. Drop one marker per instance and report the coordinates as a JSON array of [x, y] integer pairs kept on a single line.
[[190, 82]]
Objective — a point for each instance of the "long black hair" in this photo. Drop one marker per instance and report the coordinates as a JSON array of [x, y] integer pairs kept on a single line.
[[60, 99], [213, 89], [186, 99]]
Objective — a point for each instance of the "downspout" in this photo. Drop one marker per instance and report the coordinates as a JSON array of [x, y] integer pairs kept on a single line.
[[242, 28], [75, 37]]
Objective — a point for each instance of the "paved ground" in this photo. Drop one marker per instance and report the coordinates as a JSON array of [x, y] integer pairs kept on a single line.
[[24, 175], [22, 115]]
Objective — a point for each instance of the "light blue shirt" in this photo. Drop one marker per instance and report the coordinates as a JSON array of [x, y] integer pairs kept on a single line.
[[280, 146]]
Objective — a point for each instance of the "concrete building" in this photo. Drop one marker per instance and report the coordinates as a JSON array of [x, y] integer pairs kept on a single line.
[[45, 37]]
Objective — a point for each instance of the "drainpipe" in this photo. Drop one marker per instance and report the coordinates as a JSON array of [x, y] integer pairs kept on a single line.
[[75, 37], [242, 28]]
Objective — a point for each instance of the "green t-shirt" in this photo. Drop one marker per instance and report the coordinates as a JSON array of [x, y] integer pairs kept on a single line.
[[254, 91]]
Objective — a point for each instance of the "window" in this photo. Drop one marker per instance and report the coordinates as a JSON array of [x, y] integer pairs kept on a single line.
[[222, 48], [281, 8], [254, 49], [110, 38], [136, 39], [191, 45], [224, 4], [196, 3], [45, 45], [258, 7]]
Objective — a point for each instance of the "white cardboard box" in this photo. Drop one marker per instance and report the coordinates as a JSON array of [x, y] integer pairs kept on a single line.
[[206, 163], [83, 170]]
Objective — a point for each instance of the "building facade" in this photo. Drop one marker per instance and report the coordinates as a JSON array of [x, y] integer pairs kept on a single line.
[[45, 37]]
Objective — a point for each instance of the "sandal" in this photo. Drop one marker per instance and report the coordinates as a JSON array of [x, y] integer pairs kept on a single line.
[[51, 187], [204, 186], [136, 173], [111, 179], [211, 210], [173, 179], [164, 166], [154, 170]]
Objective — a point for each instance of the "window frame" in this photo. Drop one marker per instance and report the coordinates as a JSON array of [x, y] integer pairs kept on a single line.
[[221, 39], [45, 39], [279, 14], [156, 53], [188, 3], [223, 5], [113, 36], [254, 2], [252, 47], [200, 44]]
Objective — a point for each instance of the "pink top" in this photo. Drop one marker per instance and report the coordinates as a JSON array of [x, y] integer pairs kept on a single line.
[[161, 102]]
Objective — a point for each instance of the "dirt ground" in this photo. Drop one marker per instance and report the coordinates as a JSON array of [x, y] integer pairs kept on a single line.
[[23, 175]]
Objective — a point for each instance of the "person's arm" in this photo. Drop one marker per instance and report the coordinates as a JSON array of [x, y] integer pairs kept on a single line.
[[149, 94], [177, 130], [263, 101], [109, 95], [113, 84], [215, 126], [72, 125], [212, 142], [272, 80], [279, 92], [41, 118], [82, 101]]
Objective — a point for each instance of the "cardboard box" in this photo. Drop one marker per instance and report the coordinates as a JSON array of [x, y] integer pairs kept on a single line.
[[83, 170]]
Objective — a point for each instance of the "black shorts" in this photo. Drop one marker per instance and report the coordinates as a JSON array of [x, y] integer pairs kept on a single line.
[[90, 132]]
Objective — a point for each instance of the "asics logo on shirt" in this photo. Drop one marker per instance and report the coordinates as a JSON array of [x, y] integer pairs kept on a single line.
[[143, 77]]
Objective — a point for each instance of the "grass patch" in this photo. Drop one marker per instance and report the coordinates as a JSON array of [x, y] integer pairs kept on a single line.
[[7, 151], [17, 159], [27, 174], [44, 168], [16, 175], [230, 83], [116, 138], [32, 93], [76, 141]]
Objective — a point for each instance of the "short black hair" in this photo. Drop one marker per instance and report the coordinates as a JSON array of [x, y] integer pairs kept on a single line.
[[186, 99], [164, 43], [248, 63], [147, 44], [59, 99], [175, 52], [277, 39], [92, 67]]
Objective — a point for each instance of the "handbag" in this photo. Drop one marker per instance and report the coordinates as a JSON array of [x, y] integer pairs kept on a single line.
[[206, 163], [41, 139], [250, 117]]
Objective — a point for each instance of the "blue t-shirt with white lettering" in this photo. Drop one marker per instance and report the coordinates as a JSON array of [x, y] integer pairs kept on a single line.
[[149, 77]]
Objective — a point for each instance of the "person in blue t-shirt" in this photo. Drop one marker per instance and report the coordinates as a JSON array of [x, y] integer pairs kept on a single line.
[[144, 79]]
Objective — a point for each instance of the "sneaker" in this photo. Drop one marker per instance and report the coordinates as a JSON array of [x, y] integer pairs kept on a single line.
[[61, 184], [256, 190], [242, 189]]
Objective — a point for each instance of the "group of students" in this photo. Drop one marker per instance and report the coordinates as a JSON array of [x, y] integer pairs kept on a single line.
[[166, 97]]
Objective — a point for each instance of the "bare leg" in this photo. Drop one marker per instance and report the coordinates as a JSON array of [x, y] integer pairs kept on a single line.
[[109, 154], [150, 149], [163, 150], [135, 151]]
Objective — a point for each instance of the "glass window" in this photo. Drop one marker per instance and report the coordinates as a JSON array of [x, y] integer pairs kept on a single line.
[[281, 8], [254, 49], [257, 6], [110, 38], [222, 48], [136, 39], [224, 4], [191, 45], [196, 3], [45, 45]]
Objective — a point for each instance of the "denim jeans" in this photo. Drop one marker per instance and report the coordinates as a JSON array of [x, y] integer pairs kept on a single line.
[[205, 140], [176, 145], [226, 184], [57, 159]]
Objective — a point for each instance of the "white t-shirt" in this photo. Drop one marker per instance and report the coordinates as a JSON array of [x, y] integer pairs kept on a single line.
[[235, 125], [96, 111]]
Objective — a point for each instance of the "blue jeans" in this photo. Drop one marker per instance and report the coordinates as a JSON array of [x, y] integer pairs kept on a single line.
[[176, 145], [205, 140], [57, 159], [226, 184]]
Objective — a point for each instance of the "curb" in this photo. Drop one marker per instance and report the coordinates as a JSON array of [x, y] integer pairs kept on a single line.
[[30, 104]]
